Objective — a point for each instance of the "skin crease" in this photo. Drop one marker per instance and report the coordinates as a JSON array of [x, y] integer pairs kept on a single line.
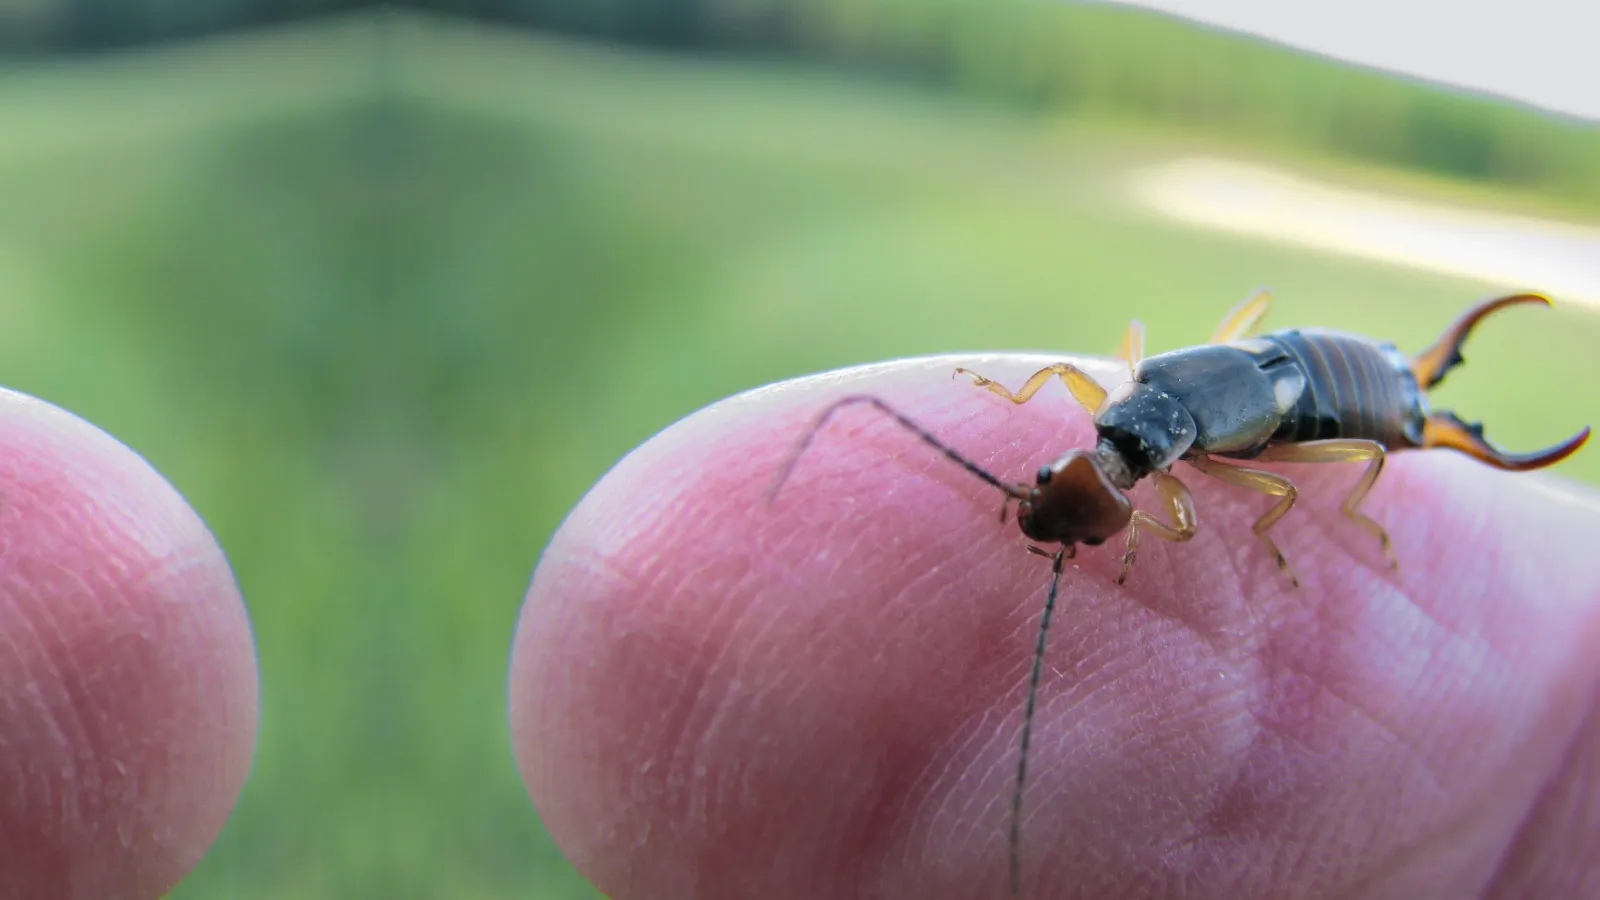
[[713, 698], [128, 686]]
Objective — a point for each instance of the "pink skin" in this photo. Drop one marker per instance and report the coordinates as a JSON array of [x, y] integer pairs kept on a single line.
[[128, 693], [712, 698]]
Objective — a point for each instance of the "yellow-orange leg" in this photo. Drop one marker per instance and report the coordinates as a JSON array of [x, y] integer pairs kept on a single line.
[[1243, 319], [1344, 450], [1183, 526], [1264, 482], [1133, 344], [1087, 391]]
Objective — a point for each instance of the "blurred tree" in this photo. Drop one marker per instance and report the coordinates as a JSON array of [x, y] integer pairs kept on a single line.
[[25, 21], [79, 25], [1050, 56], [672, 23], [1116, 60]]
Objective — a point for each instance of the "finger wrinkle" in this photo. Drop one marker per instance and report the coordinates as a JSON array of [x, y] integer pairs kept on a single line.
[[1555, 849], [1180, 731], [1274, 769], [707, 684], [974, 747], [57, 689], [656, 787], [736, 688], [923, 596], [1388, 732], [930, 764]]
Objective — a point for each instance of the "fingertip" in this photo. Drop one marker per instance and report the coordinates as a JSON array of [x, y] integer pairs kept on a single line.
[[703, 683], [128, 683]]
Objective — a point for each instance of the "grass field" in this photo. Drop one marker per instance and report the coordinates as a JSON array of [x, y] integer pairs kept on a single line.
[[385, 313]]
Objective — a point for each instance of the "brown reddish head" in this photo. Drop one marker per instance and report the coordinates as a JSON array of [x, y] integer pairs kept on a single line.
[[1074, 502]]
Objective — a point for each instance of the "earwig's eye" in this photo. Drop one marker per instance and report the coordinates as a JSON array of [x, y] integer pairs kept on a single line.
[[1044, 474]]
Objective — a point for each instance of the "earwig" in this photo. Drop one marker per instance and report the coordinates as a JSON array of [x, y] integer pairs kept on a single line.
[[1296, 395]]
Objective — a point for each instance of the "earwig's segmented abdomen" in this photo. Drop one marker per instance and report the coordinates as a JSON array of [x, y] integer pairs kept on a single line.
[[1354, 388]]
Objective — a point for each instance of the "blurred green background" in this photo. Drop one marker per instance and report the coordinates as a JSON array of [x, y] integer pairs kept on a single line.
[[384, 294]]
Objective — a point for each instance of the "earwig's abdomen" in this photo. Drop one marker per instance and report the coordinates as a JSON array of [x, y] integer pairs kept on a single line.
[[1354, 388]]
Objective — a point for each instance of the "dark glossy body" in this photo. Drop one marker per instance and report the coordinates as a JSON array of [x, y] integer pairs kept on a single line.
[[1235, 399]]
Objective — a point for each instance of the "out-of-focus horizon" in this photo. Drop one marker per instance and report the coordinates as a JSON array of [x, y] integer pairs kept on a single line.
[[383, 294]]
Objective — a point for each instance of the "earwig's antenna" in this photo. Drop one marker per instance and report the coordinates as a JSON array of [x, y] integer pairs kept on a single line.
[[1060, 557], [1015, 492]]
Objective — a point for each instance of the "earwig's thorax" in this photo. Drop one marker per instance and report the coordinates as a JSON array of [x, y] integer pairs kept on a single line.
[[1149, 428]]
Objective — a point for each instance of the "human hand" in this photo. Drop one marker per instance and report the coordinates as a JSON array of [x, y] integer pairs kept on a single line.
[[716, 698], [128, 687]]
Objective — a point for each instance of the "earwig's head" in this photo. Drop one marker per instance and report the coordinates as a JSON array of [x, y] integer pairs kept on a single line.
[[1074, 503]]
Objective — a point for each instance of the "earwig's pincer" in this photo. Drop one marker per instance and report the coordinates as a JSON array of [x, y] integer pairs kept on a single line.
[[1296, 395]]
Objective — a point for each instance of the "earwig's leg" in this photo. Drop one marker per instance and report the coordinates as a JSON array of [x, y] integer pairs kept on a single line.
[[1344, 451], [1431, 364], [1087, 391], [1183, 527], [1133, 344], [1243, 319], [1445, 429], [1266, 483]]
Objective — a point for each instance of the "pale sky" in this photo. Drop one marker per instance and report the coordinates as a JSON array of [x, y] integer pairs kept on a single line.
[[1543, 52]]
